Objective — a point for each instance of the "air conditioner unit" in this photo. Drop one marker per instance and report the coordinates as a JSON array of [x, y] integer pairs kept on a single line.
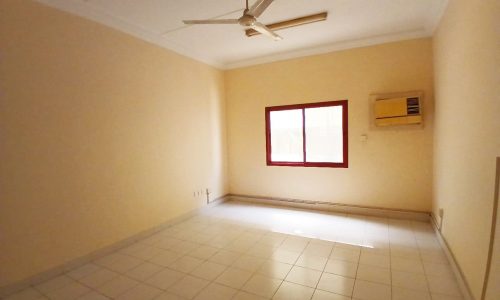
[[398, 111]]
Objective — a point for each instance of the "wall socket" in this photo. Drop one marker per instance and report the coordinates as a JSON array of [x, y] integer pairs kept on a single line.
[[201, 192]]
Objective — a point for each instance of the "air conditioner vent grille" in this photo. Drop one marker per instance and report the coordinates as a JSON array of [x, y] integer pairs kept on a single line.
[[413, 107]]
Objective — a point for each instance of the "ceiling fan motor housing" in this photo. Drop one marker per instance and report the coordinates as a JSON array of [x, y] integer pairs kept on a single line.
[[247, 20]]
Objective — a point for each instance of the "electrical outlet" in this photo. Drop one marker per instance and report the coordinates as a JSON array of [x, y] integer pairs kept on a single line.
[[198, 193], [441, 213]]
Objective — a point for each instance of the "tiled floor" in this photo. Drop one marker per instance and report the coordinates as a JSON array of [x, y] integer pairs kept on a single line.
[[244, 251]]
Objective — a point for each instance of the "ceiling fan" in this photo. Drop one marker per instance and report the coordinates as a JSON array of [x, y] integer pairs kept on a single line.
[[249, 20]]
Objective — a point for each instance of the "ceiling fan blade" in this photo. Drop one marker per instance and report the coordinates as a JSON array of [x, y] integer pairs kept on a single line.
[[258, 7], [266, 31], [291, 23], [214, 21]]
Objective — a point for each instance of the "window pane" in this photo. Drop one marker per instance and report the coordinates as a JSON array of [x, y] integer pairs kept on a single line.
[[286, 135], [324, 134]]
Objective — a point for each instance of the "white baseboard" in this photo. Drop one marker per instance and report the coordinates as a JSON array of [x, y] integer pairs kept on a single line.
[[462, 283], [335, 207], [80, 261]]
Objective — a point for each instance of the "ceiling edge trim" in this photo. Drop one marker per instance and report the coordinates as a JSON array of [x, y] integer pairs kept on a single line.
[[435, 18], [331, 48], [89, 13]]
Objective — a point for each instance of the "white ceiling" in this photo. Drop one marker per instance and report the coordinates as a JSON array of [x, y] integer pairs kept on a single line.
[[350, 23]]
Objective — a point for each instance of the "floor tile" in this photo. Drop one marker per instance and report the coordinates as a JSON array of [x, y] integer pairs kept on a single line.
[[98, 278], [164, 279], [70, 291], [185, 264], [292, 291], [409, 281], [272, 239], [188, 287], [203, 252], [166, 243], [405, 252], [248, 262], [121, 263], [165, 258], [406, 294], [227, 251], [83, 271], [93, 295], [184, 247], [304, 276], [239, 246], [275, 269], [247, 296], [434, 256], [294, 244], [224, 257], [443, 285], [438, 269], [341, 267], [348, 246], [145, 253], [318, 250], [117, 286], [285, 256], [435, 296], [144, 271], [374, 274], [261, 250], [407, 265], [208, 270], [336, 284], [168, 296], [382, 261], [262, 285], [324, 295], [350, 255], [312, 262], [140, 292], [365, 290], [216, 292], [234, 277]]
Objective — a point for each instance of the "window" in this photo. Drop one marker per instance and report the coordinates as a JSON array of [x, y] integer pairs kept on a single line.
[[307, 135]]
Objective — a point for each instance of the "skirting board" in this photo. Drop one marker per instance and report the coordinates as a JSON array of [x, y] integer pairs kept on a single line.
[[80, 261], [334, 207], [462, 284]]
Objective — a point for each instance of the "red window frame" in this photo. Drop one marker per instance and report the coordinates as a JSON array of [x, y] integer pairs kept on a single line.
[[304, 163]]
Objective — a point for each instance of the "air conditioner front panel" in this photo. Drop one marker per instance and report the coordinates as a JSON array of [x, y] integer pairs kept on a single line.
[[398, 111], [390, 108]]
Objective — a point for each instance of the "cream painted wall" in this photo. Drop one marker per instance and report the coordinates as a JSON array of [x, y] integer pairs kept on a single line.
[[467, 130], [102, 136], [392, 169]]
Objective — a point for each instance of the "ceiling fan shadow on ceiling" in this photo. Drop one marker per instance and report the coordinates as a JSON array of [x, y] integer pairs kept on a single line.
[[253, 27]]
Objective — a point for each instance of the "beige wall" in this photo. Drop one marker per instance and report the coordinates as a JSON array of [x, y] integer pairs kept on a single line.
[[102, 136], [467, 129], [392, 169]]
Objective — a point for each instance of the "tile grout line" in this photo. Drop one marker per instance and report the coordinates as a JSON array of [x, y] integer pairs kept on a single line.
[[193, 234]]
